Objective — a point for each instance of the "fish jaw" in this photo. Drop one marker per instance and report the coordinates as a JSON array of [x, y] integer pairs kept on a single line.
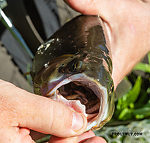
[[98, 120]]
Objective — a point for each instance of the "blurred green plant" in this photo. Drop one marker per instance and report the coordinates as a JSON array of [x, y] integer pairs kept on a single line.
[[143, 66], [135, 103]]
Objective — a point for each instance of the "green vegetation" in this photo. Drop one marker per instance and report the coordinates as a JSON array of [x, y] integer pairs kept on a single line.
[[135, 104]]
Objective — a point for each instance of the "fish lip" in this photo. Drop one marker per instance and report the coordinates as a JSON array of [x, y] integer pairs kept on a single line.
[[103, 111]]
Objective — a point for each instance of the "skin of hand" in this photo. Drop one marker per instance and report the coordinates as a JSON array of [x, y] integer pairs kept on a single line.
[[21, 111], [88, 137]]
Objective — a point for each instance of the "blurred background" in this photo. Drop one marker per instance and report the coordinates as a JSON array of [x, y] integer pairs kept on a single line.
[[25, 24], [35, 20]]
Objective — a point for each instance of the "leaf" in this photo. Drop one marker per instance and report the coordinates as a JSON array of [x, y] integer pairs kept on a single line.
[[148, 90], [142, 67], [125, 114], [142, 112], [148, 104], [142, 100], [131, 96]]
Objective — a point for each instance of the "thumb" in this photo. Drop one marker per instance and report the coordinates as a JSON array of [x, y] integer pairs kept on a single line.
[[95, 140], [40, 113], [83, 6], [104, 8], [92, 7]]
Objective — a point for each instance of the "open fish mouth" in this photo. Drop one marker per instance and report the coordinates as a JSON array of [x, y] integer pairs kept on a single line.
[[84, 95]]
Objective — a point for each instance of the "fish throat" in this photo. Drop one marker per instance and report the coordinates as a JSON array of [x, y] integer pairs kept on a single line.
[[78, 91], [87, 92]]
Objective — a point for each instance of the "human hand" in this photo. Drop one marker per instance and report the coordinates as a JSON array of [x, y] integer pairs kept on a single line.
[[127, 27], [88, 137], [21, 111]]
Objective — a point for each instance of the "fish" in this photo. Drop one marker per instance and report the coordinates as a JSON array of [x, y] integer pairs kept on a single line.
[[74, 67]]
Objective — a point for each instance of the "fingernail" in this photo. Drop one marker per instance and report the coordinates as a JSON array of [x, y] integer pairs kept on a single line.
[[77, 121]]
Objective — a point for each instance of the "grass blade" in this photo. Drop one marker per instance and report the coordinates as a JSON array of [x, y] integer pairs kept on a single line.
[[142, 67]]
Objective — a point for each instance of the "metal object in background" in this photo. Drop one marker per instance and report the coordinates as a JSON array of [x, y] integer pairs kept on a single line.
[[3, 4], [8, 24], [35, 20]]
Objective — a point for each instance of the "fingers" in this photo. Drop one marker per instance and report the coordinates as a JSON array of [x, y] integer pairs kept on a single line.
[[95, 140], [88, 137], [15, 135], [39, 113], [76, 139], [83, 6], [63, 140], [92, 7], [24, 131]]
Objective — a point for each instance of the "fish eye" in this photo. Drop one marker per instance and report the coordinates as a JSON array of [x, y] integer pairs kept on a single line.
[[112, 89], [77, 66]]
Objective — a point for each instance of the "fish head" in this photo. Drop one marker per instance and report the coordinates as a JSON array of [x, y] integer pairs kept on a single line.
[[77, 70]]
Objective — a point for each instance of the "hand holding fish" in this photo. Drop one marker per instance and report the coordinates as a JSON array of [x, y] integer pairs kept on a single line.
[[127, 24], [21, 111]]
